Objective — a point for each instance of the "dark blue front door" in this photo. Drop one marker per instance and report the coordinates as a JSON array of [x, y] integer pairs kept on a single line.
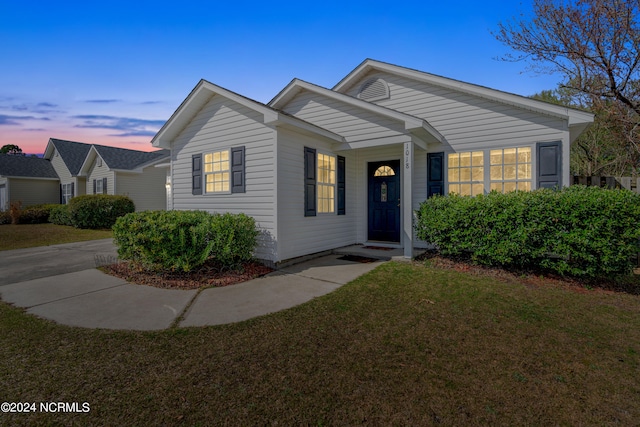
[[384, 201]]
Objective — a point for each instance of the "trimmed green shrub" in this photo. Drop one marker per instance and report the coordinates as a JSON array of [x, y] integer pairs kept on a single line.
[[184, 240], [59, 215], [98, 210], [579, 231]]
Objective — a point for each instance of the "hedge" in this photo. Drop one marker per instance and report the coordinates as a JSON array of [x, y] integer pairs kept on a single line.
[[98, 210], [60, 215], [184, 240], [579, 231], [34, 214]]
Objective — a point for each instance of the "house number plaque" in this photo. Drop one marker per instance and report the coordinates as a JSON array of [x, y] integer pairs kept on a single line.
[[383, 192]]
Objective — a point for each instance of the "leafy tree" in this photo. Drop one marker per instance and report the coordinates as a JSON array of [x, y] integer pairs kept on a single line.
[[595, 46], [11, 149]]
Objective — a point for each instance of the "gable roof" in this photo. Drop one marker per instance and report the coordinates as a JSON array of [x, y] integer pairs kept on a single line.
[[72, 153], [411, 123], [576, 118], [202, 94], [125, 159], [27, 167]]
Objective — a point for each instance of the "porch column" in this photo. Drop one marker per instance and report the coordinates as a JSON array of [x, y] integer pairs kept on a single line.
[[407, 200]]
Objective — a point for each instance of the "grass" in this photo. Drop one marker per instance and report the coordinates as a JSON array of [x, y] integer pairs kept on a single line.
[[407, 344], [32, 235]]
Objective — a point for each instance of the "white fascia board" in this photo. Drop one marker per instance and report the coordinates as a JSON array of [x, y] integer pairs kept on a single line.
[[91, 155], [198, 97], [48, 152], [351, 144]]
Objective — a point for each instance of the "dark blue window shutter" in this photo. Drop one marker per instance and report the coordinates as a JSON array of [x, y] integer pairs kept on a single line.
[[237, 170], [104, 185], [435, 174], [73, 190], [61, 198], [549, 159], [94, 186], [342, 197], [196, 174], [309, 181]]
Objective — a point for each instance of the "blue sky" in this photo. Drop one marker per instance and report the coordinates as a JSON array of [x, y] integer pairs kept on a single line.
[[113, 72]]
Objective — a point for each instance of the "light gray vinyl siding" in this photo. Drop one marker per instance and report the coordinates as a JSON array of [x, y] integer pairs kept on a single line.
[[33, 191], [60, 168], [79, 183], [98, 173], [222, 124], [146, 189], [299, 235], [341, 118], [468, 122]]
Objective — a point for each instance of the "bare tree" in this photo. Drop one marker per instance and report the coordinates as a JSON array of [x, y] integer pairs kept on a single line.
[[595, 46]]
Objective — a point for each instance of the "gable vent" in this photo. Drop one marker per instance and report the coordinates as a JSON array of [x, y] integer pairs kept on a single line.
[[374, 90]]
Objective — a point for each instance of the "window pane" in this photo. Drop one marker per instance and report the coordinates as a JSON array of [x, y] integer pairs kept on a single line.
[[524, 171], [465, 174], [224, 155], [497, 186], [478, 158], [496, 157], [524, 186], [477, 189], [454, 175], [477, 174], [509, 186], [524, 155], [496, 173], [465, 159], [510, 172], [465, 189], [509, 155], [332, 176], [208, 158], [453, 160], [225, 186], [216, 156], [454, 188]]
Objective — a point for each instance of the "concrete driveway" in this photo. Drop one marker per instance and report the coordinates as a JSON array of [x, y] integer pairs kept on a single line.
[[61, 283]]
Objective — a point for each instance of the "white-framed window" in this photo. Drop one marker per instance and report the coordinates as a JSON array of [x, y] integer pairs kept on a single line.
[[99, 188], [326, 183], [217, 172], [466, 173], [510, 169], [67, 193], [504, 169]]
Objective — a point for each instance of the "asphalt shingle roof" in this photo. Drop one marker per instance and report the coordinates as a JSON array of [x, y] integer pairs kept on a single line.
[[73, 153], [33, 167], [124, 159]]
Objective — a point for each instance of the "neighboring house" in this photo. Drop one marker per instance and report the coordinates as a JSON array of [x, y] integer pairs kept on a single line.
[[111, 170], [28, 180], [320, 169], [97, 169], [67, 158]]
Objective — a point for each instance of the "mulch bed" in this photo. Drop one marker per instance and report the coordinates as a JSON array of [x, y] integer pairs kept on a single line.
[[207, 276]]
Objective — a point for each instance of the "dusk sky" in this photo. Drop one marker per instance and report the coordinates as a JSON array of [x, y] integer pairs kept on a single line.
[[113, 72]]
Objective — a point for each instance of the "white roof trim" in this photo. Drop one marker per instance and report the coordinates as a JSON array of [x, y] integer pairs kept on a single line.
[[91, 155], [411, 123], [203, 92], [575, 117]]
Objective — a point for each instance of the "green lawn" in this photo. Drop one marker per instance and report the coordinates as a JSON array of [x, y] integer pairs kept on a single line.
[[31, 235], [406, 344]]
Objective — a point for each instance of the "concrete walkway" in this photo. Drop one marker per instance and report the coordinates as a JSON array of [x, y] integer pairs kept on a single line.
[[61, 283]]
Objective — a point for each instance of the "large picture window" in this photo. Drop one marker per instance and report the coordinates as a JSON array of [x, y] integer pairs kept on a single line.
[[466, 173], [217, 172], [326, 183]]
